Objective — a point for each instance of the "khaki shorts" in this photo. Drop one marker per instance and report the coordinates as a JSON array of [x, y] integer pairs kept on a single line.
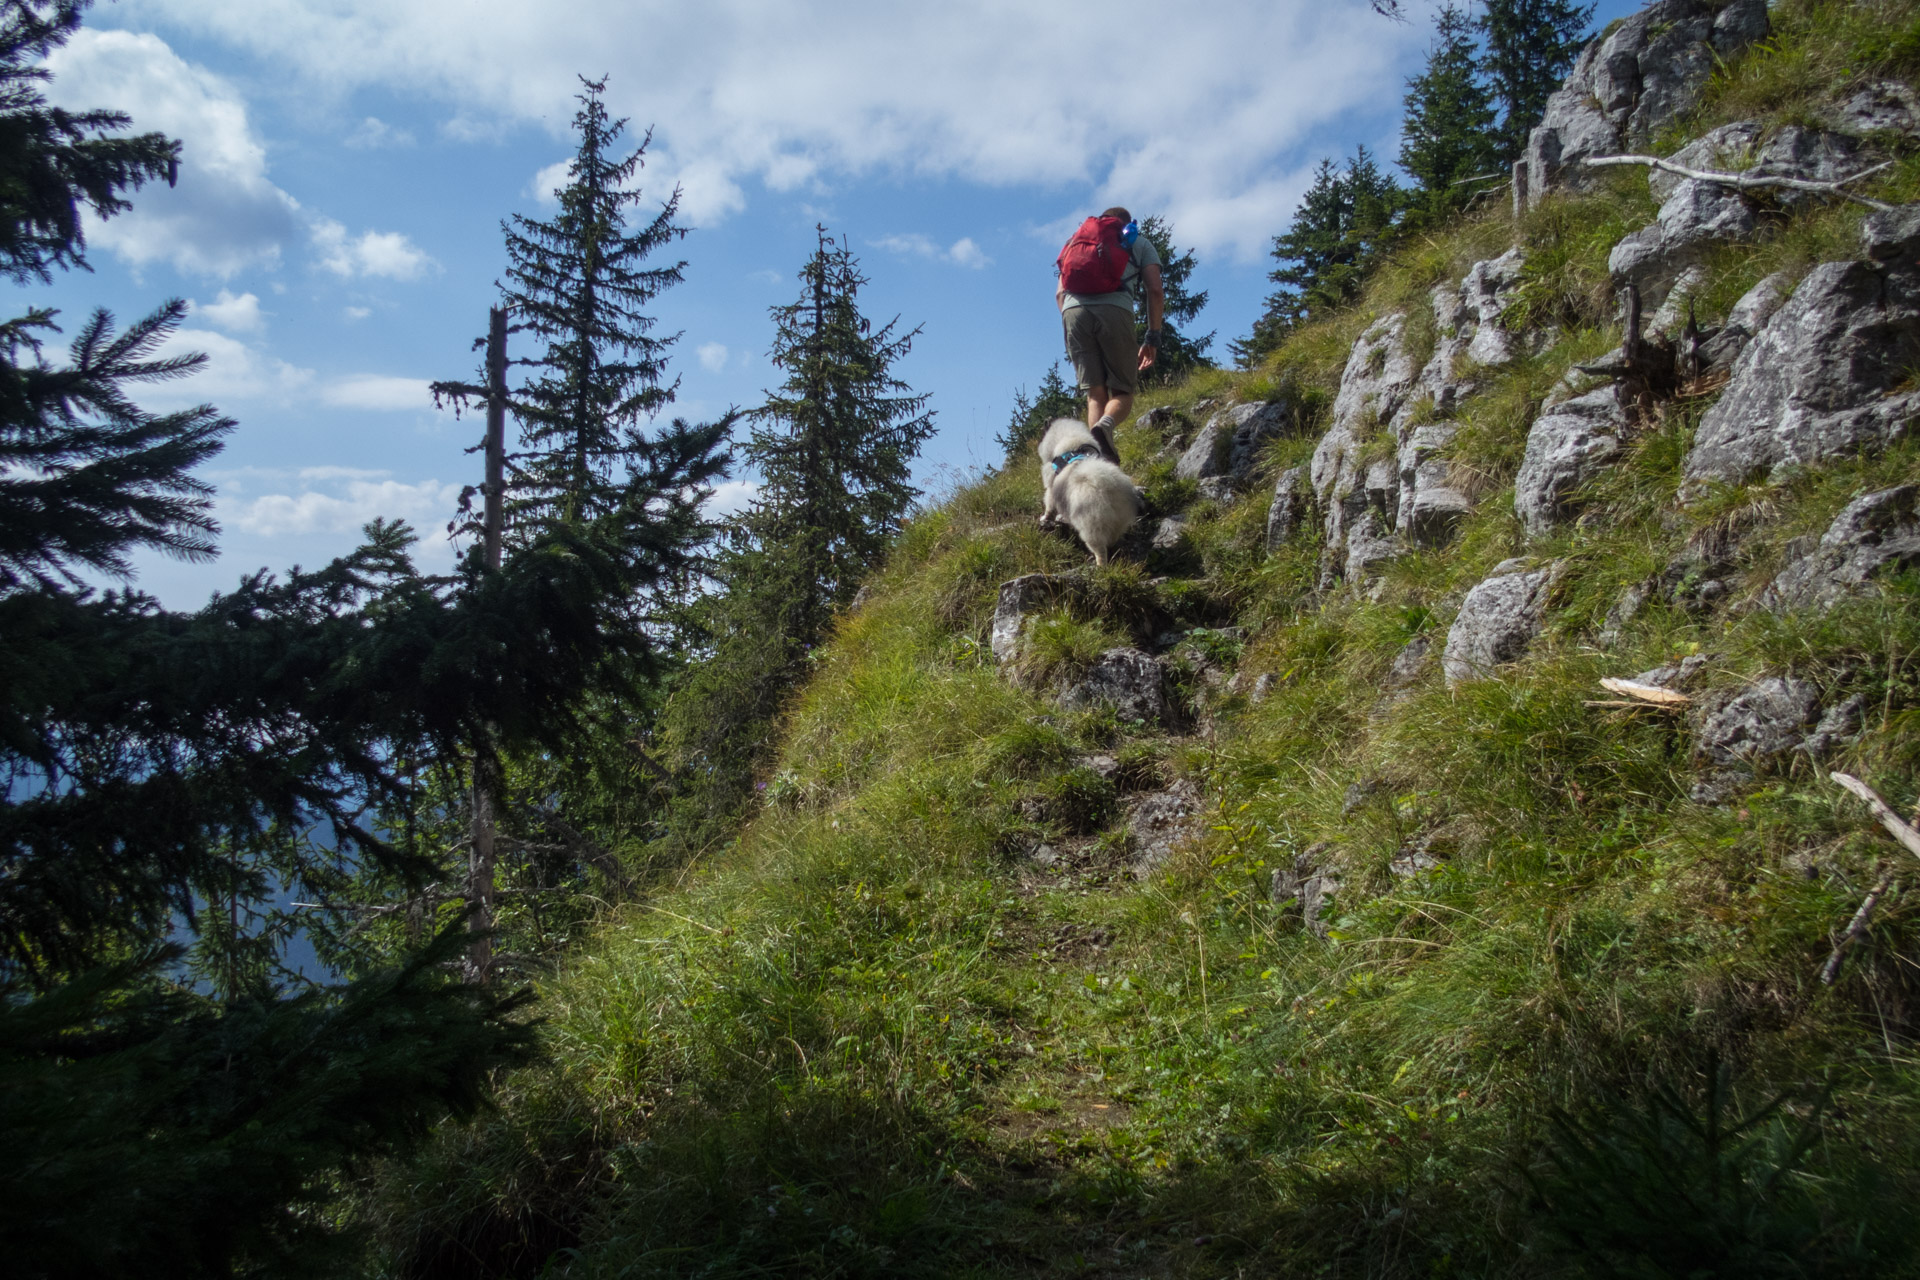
[[1101, 345]]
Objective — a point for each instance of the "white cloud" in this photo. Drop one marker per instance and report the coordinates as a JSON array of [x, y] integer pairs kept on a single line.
[[961, 253], [233, 372], [965, 253], [713, 356], [372, 253], [547, 183], [767, 274], [374, 133], [224, 215], [377, 392], [790, 96], [335, 500], [730, 497], [356, 313], [235, 315]]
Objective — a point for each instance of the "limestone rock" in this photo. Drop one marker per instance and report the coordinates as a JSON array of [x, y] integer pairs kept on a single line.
[[1876, 533], [1885, 106], [1818, 381], [1291, 508], [1839, 726], [1768, 719], [1631, 81], [1168, 535], [1159, 822], [1748, 317], [1497, 621], [1565, 449], [1306, 888], [1019, 600], [1230, 442], [1133, 683], [1216, 489], [1691, 221], [1410, 662]]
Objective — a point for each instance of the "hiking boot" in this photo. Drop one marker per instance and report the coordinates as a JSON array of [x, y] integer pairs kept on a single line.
[[1105, 441]]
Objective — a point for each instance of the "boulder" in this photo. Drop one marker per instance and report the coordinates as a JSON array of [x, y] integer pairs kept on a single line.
[[1230, 442], [1291, 508], [1874, 534], [1378, 376], [1159, 822], [1769, 718], [1019, 600], [1691, 221], [1885, 106], [1497, 621], [1133, 683], [1565, 449], [1748, 317], [1820, 379], [1216, 489], [1632, 80], [1168, 535]]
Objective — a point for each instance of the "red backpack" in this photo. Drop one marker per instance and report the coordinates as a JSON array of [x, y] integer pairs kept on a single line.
[[1095, 261]]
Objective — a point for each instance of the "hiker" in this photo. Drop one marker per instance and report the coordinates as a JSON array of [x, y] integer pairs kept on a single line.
[[1098, 270]]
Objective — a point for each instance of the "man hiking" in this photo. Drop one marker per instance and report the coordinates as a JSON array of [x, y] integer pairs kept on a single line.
[[1099, 269]]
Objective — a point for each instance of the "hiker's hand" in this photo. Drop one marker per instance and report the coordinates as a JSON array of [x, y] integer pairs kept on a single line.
[[1146, 357]]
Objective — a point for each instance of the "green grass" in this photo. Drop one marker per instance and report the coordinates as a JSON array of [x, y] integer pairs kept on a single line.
[[881, 1034]]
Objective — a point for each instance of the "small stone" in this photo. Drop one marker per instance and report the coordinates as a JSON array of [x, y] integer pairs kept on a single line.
[[1497, 621], [1160, 822], [1216, 489], [1885, 106], [1131, 682], [1875, 534], [1168, 535], [1839, 726], [1565, 450], [1291, 508], [1767, 719], [1411, 662]]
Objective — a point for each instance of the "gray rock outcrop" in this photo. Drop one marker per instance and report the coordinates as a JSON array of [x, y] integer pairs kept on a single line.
[[1497, 621], [1159, 822], [1133, 683], [1695, 215], [1767, 719], [1291, 508], [1375, 503], [1632, 80], [1566, 448], [1748, 317], [1019, 600], [1883, 107], [1229, 443], [1820, 379], [1876, 533]]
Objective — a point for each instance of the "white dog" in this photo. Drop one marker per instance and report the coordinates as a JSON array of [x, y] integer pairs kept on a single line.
[[1086, 490]]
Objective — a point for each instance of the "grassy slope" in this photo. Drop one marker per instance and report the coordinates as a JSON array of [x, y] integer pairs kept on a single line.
[[869, 1038]]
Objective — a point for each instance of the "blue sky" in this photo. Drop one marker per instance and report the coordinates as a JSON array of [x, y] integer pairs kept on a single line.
[[348, 162]]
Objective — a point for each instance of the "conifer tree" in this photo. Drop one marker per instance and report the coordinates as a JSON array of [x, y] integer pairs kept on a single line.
[[835, 443], [1032, 415], [1530, 47], [1178, 354], [1448, 135], [164, 768], [579, 283], [1345, 221], [833, 446]]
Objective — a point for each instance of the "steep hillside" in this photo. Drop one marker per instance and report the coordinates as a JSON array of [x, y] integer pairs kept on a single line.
[[1290, 897]]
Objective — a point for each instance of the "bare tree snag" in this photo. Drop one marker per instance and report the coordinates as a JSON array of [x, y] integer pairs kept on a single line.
[[1749, 182]]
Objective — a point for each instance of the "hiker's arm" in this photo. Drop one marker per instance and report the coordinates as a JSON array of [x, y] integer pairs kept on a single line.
[[1156, 306], [1059, 291]]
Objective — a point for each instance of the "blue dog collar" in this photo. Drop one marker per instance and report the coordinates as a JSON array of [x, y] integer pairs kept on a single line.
[[1070, 457]]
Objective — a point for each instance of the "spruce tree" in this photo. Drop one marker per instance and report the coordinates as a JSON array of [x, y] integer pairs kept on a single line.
[[1346, 220], [833, 446], [171, 775], [1530, 47], [1033, 415], [1178, 354], [1448, 134], [579, 283]]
